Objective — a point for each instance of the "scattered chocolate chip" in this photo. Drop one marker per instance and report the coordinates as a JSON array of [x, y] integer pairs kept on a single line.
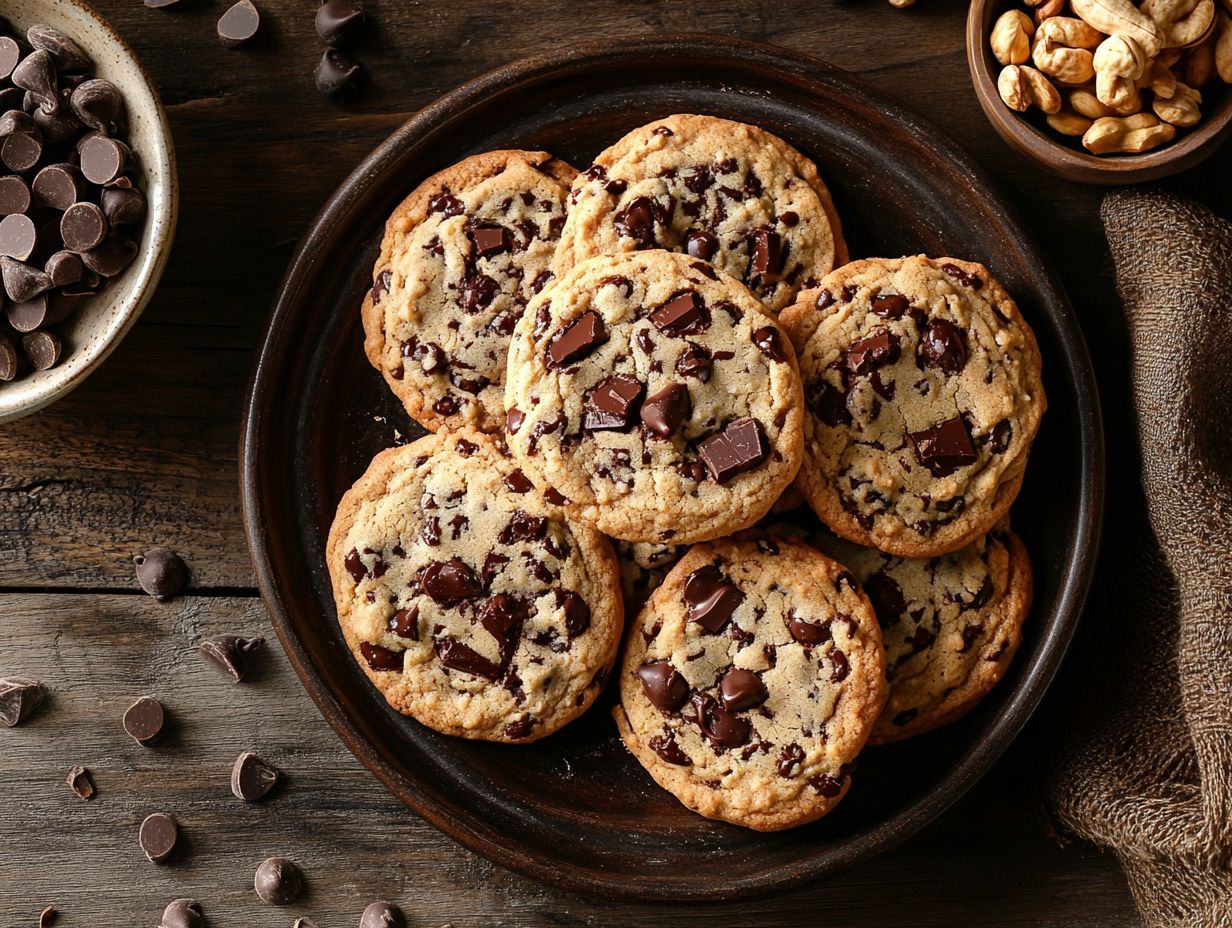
[[382, 915], [83, 227], [48, 916], [65, 53], [338, 76], [742, 689], [230, 653], [711, 598], [144, 720], [103, 159], [967, 280], [22, 282], [450, 582], [722, 727], [806, 632], [868, 354], [17, 235], [827, 785], [739, 447], [945, 447], [637, 220], [18, 698], [239, 24], [695, 361], [161, 572], [518, 482], [158, 836], [183, 913], [701, 244], [578, 339], [666, 747], [339, 22], [664, 412], [20, 152], [770, 342], [32, 314], [380, 658], [457, 656], [612, 404], [555, 497], [664, 686], [278, 881], [80, 782], [252, 778], [14, 195], [889, 305], [58, 126], [943, 345], [684, 314]]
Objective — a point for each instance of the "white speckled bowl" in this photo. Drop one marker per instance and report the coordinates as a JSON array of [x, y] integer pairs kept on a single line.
[[100, 322]]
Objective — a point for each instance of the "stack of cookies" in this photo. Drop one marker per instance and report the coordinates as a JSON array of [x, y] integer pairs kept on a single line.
[[670, 351]]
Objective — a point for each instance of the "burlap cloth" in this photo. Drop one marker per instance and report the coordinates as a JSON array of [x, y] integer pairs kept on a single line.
[[1144, 767]]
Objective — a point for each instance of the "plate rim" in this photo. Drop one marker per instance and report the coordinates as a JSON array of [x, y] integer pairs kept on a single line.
[[1077, 574]]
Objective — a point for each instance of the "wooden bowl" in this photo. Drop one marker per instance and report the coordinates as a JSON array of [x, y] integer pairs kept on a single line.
[[1031, 135], [99, 323], [575, 810]]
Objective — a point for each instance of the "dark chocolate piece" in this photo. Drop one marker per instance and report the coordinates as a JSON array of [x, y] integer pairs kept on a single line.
[[239, 24], [945, 447], [711, 598], [158, 836], [161, 572], [103, 159], [278, 881], [339, 22], [22, 282], [612, 404], [663, 413], [382, 915], [65, 53], [144, 720], [80, 782], [97, 104], [739, 447], [18, 698], [58, 186], [230, 653], [664, 686], [252, 778], [742, 689], [83, 227], [339, 76], [18, 235], [578, 339], [684, 314], [14, 195], [183, 913]]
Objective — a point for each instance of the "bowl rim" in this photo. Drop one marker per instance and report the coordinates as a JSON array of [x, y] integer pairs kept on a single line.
[[1193, 147], [256, 456], [147, 269]]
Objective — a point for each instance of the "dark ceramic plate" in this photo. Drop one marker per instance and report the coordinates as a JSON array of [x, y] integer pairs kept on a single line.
[[575, 810]]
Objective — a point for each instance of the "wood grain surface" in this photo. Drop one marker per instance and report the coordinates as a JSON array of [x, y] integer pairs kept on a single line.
[[145, 452]]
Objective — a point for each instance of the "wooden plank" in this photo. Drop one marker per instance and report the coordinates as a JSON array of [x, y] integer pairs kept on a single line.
[[354, 841]]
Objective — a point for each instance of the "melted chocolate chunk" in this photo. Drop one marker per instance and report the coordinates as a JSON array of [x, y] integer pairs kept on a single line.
[[807, 633], [740, 446], [790, 759], [827, 785], [889, 305], [450, 582], [577, 612], [666, 747], [999, 438], [967, 280], [478, 292], [582, 336], [612, 404], [711, 598], [683, 314], [513, 420], [742, 689], [701, 244], [663, 413], [380, 286], [490, 240], [868, 354], [766, 256], [446, 204], [457, 656], [380, 658], [943, 345], [886, 596], [518, 482], [638, 219], [405, 623], [723, 728], [666, 689], [841, 668], [770, 342], [828, 403], [695, 361], [944, 448]]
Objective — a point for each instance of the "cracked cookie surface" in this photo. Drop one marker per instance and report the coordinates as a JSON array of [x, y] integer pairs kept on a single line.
[[718, 190], [654, 398], [461, 257], [751, 680], [470, 605], [923, 390]]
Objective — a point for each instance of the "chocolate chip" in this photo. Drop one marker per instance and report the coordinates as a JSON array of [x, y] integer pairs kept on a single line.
[[808, 633], [10, 363], [58, 126], [868, 354], [380, 658], [183, 913], [889, 305], [405, 623], [32, 314], [577, 612], [457, 656], [490, 240], [65, 53], [126, 206], [766, 256], [230, 653], [711, 599], [161, 572], [36, 73], [339, 22], [144, 719], [58, 186], [886, 596], [999, 438], [555, 497], [701, 244], [790, 759], [112, 256], [48, 916], [18, 698], [10, 54], [80, 782], [158, 836], [967, 280], [239, 24], [98, 105], [103, 159], [739, 447], [20, 152], [742, 689], [339, 76], [695, 361], [17, 235], [664, 686], [64, 268], [666, 747], [770, 342], [684, 314], [252, 778], [943, 345], [83, 227], [382, 915], [22, 282], [722, 727], [612, 404], [827, 785], [278, 881], [664, 412], [450, 582], [637, 220], [14, 195], [944, 448], [578, 339]]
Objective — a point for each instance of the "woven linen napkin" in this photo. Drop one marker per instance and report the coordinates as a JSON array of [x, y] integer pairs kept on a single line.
[[1145, 766]]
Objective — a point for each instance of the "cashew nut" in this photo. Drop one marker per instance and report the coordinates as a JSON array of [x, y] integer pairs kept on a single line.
[[1181, 109], [1198, 66], [1223, 48], [1048, 9], [1022, 87], [1131, 134], [1181, 22], [1083, 101], [1121, 17], [1061, 49], [1159, 79], [1119, 62], [1011, 37], [1067, 122]]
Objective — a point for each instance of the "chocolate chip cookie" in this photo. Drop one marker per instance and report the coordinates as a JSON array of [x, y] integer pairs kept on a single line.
[[951, 625], [922, 382], [717, 190], [751, 680], [461, 258], [469, 604], [654, 399]]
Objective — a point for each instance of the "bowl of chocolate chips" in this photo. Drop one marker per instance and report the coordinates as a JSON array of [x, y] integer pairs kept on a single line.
[[87, 197]]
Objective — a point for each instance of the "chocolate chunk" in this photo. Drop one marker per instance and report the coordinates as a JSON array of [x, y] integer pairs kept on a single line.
[[701, 244], [144, 719], [711, 599], [239, 24], [161, 572], [886, 596], [10, 54], [790, 759], [405, 623], [380, 658], [48, 916], [18, 122], [126, 206], [382, 915], [555, 497], [183, 913], [450, 582], [32, 314], [103, 159], [724, 729], [457, 656], [80, 782], [683, 314], [20, 152], [827, 785], [578, 339], [967, 280], [230, 653], [112, 256], [65, 53], [944, 448], [17, 235], [64, 268], [304, 923], [637, 220], [663, 413], [490, 240], [770, 342], [22, 282], [577, 612], [868, 354], [158, 836], [766, 256], [742, 689], [808, 633], [59, 126], [339, 22], [339, 76], [889, 305], [252, 778], [612, 404], [942, 345], [999, 438], [664, 686], [58, 186], [83, 227], [278, 881], [18, 698], [36, 73], [739, 447], [841, 667], [666, 747], [97, 104], [14, 195], [695, 361]]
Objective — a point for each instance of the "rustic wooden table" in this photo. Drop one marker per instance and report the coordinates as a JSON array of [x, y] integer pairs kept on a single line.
[[145, 453]]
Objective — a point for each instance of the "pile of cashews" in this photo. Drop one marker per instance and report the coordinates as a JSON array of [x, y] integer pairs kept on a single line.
[[1122, 76]]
